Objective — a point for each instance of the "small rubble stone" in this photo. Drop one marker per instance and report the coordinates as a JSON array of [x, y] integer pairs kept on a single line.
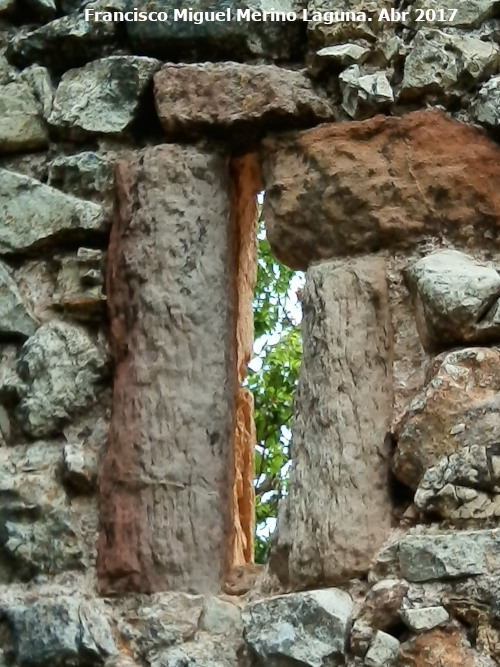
[[432, 648], [456, 298], [78, 472], [448, 556], [343, 55], [425, 618], [102, 97], [59, 630], [364, 94], [21, 124], [206, 651], [469, 14], [69, 41], [16, 317], [36, 529], [457, 408], [486, 108], [60, 365], [279, 628], [32, 214], [464, 485], [7, 72], [383, 650], [161, 621], [239, 40], [79, 285], [322, 34], [40, 82], [86, 174], [379, 611], [223, 95], [442, 64], [220, 617]]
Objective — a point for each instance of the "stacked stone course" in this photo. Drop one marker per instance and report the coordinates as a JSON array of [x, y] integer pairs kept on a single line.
[[130, 158]]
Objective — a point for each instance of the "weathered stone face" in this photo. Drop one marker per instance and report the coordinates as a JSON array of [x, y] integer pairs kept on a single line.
[[33, 214], [58, 628], [21, 124], [456, 299], [224, 96], [216, 40], [463, 485], [36, 527], [103, 97], [337, 512], [443, 65], [172, 311], [69, 41], [279, 629], [59, 367], [458, 407], [381, 183], [408, 207]]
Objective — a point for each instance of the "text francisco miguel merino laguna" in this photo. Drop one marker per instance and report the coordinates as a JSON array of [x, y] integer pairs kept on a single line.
[[231, 14]]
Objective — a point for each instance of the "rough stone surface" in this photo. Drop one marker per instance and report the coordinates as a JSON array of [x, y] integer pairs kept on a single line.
[[86, 174], [193, 98], [40, 82], [448, 648], [384, 182], [186, 41], [458, 407], [69, 41], [464, 485], [16, 317], [103, 97], [343, 54], [487, 105], [21, 123], [64, 630], [429, 557], [425, 618], [79, 471], [280, 628], [59, 367], [204, 652], [469, 14], [37, 532], [363, 93], [166, 506], [79, 285], [33, 214], [381, 606], [443, 64], [456, 299], [337, 512], [321, 33], [383, 650], [153, 624]]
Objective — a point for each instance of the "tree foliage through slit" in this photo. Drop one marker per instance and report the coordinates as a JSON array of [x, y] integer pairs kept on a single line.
[[272, 378]]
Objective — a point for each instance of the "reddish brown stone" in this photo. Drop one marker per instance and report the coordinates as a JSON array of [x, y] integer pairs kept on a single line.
[[438, 649], [246, 184], [166, 482], [220, 96], [358, 187]]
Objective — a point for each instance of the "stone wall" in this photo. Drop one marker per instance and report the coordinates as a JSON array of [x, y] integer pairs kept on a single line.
[[130, 158]]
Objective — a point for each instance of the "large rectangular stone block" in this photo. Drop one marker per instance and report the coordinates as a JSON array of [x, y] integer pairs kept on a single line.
[[166, 480], [337, 513]]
